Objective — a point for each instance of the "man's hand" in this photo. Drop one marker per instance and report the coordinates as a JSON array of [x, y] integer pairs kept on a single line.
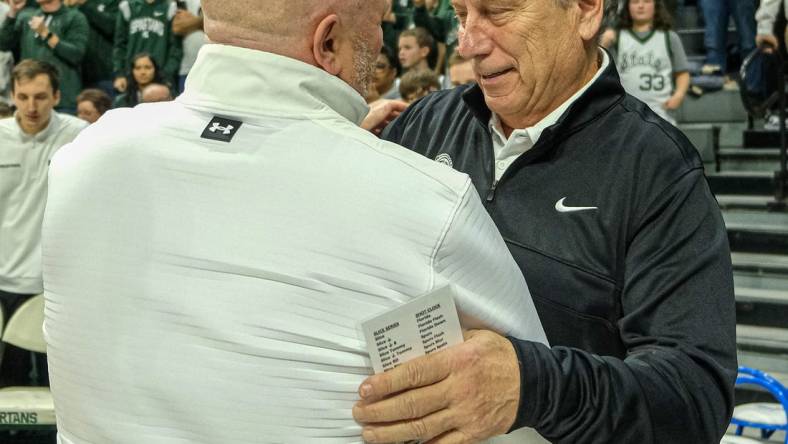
[[184, 23], [767, 41], [16, 6], [120, 84], [74, 2], [464, 394], [38, 25], [381, 113]]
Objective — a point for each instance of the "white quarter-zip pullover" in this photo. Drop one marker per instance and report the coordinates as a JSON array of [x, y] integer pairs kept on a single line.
[[206, 291]]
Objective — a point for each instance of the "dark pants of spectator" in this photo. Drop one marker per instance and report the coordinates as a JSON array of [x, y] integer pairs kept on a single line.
[[716, 14], [19, 366]]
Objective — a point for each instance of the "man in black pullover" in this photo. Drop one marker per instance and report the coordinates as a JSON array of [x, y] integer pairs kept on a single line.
[[606, 209]]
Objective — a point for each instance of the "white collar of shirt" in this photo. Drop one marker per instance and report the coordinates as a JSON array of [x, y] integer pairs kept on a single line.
[[230, 80], [522, 140]]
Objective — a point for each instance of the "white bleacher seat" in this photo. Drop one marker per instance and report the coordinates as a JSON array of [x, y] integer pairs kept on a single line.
[[761, 412], [732, 439], [23, 407], [25, 328], [27, 407]]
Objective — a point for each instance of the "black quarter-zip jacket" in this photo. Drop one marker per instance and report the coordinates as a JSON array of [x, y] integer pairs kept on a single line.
[[634, 290]]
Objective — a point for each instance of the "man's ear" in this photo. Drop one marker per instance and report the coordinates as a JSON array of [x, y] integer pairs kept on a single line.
[[57, 98], [591, 13], [324, 45], [424, 51]]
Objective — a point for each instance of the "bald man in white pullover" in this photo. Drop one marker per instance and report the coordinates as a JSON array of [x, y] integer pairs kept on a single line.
[[207, 260]]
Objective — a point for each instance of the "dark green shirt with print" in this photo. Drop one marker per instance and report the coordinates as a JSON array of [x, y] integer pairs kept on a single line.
[[72, 29], [101, 15], [146, 26]]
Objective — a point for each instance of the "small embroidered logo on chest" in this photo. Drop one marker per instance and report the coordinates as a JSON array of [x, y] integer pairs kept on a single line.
[[444, 159]]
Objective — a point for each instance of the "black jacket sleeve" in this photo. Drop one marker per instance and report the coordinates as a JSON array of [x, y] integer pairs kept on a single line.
[[678, 323]]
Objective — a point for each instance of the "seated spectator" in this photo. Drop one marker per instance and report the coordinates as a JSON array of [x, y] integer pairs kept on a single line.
[[146, 26], [415, 46], [92, 103], [386, 82], [397, 18], [156, 92], [144, 71], [460, 70], [439, 19], [28, 143], [417, 84], [53, 33]]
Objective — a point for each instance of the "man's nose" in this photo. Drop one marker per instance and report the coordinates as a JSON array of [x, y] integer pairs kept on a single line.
[[473, 39]]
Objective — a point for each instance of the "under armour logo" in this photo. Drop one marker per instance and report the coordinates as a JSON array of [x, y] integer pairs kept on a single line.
[[224, 129], [221, 129]]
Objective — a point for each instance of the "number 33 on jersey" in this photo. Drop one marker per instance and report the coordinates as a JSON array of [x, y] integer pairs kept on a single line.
[[645, 66]]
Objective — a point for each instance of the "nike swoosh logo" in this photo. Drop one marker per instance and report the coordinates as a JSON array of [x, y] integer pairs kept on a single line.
[[561, 208]]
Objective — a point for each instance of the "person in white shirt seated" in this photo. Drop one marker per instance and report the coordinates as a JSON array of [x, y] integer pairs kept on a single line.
[[207, 260]]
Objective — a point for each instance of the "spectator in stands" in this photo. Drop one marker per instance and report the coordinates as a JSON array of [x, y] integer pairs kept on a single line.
[[28, 142], [396, 19], [146, 26], [144, 71], [156, 92], [6, 61], [187, 24], [93, 103], [386, 82], [415, 45], [416, 84], [97, 64], [716, 14], [219, 250], [606, 208], [439, 19], [650, 58], [460, 70], [52, 33]]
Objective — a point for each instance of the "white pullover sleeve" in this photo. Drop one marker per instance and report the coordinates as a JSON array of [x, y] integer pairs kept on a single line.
[[491, 290]]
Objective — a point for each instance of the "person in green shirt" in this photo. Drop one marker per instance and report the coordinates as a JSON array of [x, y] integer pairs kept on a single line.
[[146, 26], [50, 33], [438, 17], [398, 18], [97, 65]]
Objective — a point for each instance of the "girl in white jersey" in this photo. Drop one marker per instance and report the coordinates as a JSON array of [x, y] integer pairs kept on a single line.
[[650, 58]]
